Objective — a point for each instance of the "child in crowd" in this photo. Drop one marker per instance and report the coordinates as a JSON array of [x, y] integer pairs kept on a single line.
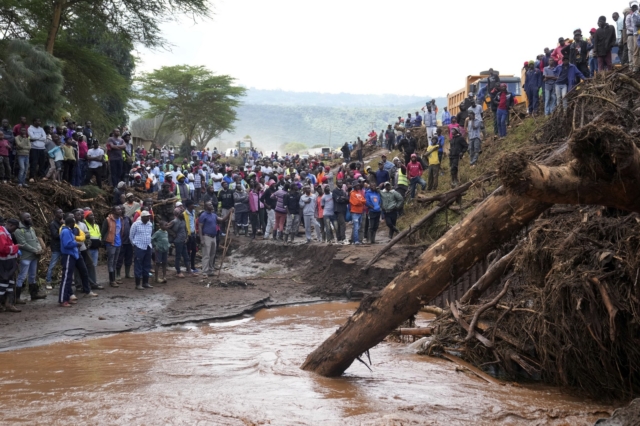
[[160, 241]]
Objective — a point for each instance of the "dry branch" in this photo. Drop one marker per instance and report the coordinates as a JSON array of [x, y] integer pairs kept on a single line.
[[484, 307]]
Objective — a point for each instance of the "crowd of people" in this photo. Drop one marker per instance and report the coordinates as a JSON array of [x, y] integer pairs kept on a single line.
[[201, 199]]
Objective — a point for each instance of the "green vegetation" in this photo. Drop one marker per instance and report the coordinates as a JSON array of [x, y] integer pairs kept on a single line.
[[294, 147], [73, 58], [200, 104]]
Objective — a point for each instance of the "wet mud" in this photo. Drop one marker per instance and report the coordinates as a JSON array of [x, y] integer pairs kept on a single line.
[[246, 371]]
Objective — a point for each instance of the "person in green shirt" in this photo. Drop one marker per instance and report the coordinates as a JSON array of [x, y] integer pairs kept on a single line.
[[160, 241]]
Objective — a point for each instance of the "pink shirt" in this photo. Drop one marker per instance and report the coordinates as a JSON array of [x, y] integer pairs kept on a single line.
[[4, 148]]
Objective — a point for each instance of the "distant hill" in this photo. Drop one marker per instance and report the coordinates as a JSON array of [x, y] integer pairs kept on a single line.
[[273, 117]]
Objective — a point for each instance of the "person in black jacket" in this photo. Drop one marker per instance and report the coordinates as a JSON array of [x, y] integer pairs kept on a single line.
[[270, 206], [346, 152], [456, 150], [292, 204], [578, 53], [340, 202], [603, 42], [226, 203], [54, 235]]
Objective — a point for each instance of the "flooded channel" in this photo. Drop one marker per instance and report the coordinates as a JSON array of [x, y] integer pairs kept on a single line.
[[247, 372]]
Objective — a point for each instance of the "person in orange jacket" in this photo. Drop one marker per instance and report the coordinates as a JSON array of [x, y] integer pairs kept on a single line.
[[357, 202]]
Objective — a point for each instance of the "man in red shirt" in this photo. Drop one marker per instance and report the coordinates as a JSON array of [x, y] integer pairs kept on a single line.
[[414, 173], [22, 125]]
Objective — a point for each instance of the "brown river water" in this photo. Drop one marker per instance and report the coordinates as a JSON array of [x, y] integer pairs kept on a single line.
[[247, 372]]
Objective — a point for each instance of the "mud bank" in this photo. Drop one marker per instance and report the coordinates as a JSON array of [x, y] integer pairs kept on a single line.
[[256, 274]]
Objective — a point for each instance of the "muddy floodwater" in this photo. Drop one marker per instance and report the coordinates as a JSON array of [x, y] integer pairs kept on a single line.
[[247, 372]]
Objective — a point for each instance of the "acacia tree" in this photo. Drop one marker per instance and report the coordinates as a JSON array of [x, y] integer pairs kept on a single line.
[[200, 104]]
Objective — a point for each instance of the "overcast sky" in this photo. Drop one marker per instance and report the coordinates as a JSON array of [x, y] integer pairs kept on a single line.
[[372, 46]]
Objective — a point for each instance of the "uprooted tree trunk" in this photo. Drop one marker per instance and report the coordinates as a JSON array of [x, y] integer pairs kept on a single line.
[[492, 223], [605, 171]]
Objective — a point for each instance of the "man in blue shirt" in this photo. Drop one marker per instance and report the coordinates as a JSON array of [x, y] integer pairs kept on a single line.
[[549, 87], [446, 117], [140, 236], [208, 230], [566, 78], [69, 255], [382, 175], [374, 203]]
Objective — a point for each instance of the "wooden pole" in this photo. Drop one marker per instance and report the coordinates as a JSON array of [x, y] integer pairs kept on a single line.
[[426, 331], [227, 237]]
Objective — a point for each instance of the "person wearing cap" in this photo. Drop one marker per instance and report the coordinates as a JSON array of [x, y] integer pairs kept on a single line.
[[458, 147], [503, 100], [603, 41], [241, 207], [112, 236], [578, 52], [208, 223], [414, 173], [140, 236], [86, 270], [182, 191], [382, 175]]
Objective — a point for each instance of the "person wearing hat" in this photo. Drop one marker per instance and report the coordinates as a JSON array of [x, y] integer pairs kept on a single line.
[[140, 236], [182, 191], [603, 41], [458, 147], [578, 52]]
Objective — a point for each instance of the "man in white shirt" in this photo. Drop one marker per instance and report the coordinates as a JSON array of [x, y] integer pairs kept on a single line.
[[216, 177], [95, 157], [37, 156]]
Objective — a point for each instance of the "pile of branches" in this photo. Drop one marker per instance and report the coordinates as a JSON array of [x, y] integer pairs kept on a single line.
[[41, 199], [567, 308]]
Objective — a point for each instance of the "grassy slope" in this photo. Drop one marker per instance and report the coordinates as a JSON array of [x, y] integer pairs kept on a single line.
[[517, 137]]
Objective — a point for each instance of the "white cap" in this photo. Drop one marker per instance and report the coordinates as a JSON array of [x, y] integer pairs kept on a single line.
[[178, 204], [145, 213]]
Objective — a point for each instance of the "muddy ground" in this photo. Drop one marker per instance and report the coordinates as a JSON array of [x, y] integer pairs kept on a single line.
[[256, 274]]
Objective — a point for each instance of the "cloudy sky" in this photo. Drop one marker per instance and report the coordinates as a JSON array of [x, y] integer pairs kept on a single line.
[[371, 46]]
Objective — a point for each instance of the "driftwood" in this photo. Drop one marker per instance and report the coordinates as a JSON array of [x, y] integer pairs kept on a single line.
[[432, 310], [425, 331], [494, 272], [611, 309], [473, 369], [491, 304]]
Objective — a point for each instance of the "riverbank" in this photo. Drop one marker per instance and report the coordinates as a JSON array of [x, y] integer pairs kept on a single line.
[[257, 274]]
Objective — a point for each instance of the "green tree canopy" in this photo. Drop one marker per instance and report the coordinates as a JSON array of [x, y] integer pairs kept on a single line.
[[200, 104], [30, 82]]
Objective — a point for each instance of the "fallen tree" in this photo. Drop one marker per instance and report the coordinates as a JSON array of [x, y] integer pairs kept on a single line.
[[492, 223], [600, 163]]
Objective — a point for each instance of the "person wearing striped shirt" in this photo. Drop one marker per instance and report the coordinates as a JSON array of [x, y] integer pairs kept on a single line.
[[140, 236]]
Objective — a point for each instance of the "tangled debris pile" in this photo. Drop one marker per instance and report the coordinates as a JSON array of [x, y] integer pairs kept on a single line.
[[567, 309], [40, 199]]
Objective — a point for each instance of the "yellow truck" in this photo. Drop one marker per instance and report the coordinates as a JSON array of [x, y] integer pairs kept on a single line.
[[475, 83]]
